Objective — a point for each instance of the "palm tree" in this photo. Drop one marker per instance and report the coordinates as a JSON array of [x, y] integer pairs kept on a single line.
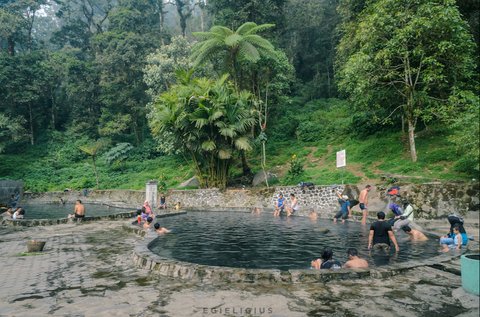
[[210, 120], [233, 47], [92, 150]]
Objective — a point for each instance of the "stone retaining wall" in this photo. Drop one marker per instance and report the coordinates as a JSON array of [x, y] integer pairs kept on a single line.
[[429, 200], [9, 187], [115, 198], [321, 198]]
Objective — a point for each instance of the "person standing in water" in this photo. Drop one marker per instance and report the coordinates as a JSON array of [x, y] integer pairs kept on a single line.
[[363, 200], [345, 210], [381, 234]]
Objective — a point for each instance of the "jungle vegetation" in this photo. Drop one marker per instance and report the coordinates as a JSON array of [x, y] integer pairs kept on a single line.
[[112, 93]]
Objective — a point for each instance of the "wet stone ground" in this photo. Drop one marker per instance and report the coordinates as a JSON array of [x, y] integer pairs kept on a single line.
[[86, 269]]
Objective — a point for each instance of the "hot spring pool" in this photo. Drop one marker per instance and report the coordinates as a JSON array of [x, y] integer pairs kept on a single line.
[[58, 211], [243, 240]]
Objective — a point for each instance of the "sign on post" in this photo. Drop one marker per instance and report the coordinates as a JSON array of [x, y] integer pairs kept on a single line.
[[341, 158]]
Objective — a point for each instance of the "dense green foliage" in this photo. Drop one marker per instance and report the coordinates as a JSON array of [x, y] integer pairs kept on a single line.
[[409, 55], [78, 79], [208, 120]]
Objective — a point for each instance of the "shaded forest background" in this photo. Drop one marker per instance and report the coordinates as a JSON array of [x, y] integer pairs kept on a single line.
[[80, 80]]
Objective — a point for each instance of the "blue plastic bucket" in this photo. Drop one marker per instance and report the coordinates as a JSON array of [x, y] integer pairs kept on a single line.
[[470, 268]]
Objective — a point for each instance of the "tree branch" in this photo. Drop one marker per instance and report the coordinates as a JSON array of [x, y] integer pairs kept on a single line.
[[394, 110]]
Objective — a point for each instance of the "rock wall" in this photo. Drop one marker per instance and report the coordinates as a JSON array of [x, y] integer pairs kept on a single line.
[[118, 198], [436, 200], [429, 200], [321, 198], [9, 187]]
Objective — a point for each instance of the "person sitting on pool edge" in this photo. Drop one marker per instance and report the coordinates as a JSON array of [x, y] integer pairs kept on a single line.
[[279, 205], [163, 203], [457, 240], [160, 230], [326, 261], [148, 209], [414, 234], [19, 213], [345, 210], [354, 261], [15, 213], [79, 212], [293, 205], [455, 221]]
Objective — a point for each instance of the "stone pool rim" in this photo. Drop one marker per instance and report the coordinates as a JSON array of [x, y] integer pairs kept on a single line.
[[57, 221], [144, 258]]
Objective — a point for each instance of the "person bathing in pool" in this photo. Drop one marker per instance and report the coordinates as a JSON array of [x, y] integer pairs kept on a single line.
[[354, 261], [414, 234], [326, 261], [160, 230], [147, 225]]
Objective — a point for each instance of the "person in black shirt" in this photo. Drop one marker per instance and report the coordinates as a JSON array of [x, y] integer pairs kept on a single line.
[[381, 233], [163, 203]]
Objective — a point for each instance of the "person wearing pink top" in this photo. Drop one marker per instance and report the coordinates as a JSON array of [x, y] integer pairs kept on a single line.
[[148, 209]]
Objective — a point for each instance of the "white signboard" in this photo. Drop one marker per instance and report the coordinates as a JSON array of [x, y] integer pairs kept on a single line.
[[341, 158], [151, 193]]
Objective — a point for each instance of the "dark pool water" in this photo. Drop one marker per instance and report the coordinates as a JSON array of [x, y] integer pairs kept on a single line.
[[243, 240], [57, 211]]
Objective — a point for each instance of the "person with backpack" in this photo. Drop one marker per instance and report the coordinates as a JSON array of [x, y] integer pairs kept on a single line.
[[345, 210]]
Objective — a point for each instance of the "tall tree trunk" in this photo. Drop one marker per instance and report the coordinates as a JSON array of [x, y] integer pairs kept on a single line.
[[263, 126], [328, 81], [245, 168], [161, 15], [411, 139], [53, 108], [181, 5], [264, 160], [202, 22], [30, 112], [183, 25], [11, 46]]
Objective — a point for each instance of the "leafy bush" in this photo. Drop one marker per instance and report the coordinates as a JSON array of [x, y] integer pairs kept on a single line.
[[118, 153], [296, 171]]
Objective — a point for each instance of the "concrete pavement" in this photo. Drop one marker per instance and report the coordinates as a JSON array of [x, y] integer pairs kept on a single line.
[[86, 269]]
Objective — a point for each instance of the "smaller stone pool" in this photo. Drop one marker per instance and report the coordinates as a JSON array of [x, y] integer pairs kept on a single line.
[[243, 240], [59, 211]]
